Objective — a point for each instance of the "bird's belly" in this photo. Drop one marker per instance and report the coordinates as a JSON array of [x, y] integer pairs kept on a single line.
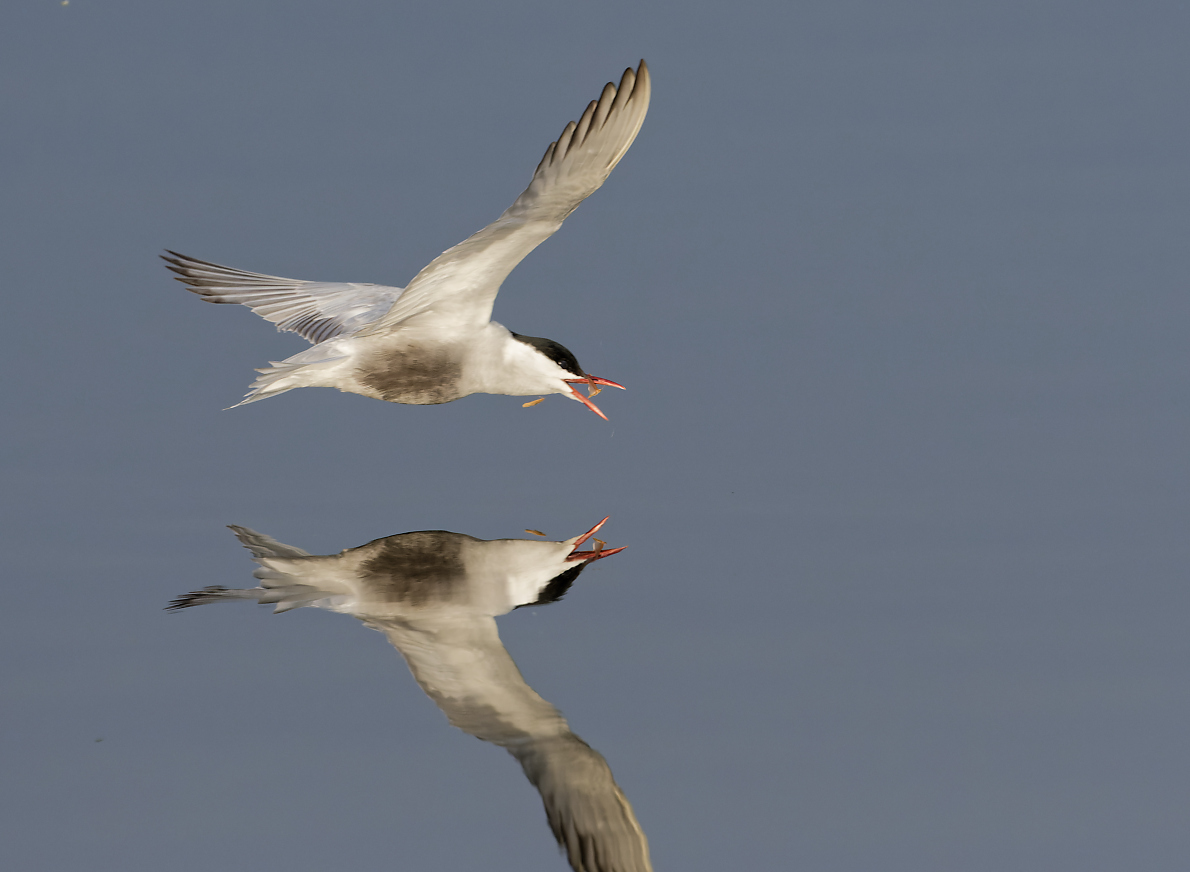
[[415, 570], [413, 375]]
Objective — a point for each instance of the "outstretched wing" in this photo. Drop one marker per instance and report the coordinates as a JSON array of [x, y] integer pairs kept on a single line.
[[316, 311], [588, 813], [462, 665], [460, 285]]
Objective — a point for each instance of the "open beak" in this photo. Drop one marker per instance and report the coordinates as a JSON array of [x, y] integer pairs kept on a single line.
[[591, 381], [599, 552]]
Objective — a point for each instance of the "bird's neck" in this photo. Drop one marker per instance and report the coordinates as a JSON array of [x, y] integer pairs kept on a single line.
[[499, 364]]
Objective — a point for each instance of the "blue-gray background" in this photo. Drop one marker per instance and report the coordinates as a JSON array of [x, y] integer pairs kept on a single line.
[[899, 290]]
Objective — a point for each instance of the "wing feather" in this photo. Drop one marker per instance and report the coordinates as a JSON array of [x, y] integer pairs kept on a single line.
[[460, 285], [316, 311], [462, 665], [587, 812]]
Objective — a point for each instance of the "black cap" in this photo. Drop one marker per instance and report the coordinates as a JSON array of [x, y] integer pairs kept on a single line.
[[555, 351]]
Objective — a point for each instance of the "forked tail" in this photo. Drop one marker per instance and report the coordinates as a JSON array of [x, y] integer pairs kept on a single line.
[[278, 587], [304, 370]]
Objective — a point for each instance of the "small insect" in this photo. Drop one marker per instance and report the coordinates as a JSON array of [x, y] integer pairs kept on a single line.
[[533, 402], [599, 544], [536, 532]]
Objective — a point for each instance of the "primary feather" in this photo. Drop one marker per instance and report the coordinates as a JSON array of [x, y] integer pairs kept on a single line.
[[316, 311], [463, 281]]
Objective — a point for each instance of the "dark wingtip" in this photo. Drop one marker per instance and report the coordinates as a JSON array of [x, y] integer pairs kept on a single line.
[[194, 598]]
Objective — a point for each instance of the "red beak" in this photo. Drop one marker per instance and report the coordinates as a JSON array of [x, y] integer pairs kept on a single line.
[[586, 402], [596, 380], [598, 553], [591, 381]]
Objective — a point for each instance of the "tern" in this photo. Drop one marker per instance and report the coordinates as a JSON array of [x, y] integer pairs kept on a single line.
[[433, 341], [436, 595]]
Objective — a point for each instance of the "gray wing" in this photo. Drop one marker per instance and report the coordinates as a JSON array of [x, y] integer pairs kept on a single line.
[[588, 813], [464, 668], [316, 311], [460, 285]]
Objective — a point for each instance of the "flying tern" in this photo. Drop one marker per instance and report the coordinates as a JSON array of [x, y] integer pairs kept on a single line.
[[433, 341], [435, 595]]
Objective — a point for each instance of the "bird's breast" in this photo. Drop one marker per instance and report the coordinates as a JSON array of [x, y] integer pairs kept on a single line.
[[415, 570], [420, 375]]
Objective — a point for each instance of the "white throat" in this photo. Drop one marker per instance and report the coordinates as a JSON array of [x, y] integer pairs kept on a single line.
[[499, 364]]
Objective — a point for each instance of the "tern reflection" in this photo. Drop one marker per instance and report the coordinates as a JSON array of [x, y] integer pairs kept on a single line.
[[435, 595]]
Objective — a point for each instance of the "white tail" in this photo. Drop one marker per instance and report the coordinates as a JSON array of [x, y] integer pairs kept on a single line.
[[311, 368], [279, 584]]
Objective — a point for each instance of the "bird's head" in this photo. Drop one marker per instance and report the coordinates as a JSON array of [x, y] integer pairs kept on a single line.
[[564, 367], [564, 561]]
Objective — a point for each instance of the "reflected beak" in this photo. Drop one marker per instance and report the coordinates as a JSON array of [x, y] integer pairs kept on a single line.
[[591, 381], [599, 552]]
